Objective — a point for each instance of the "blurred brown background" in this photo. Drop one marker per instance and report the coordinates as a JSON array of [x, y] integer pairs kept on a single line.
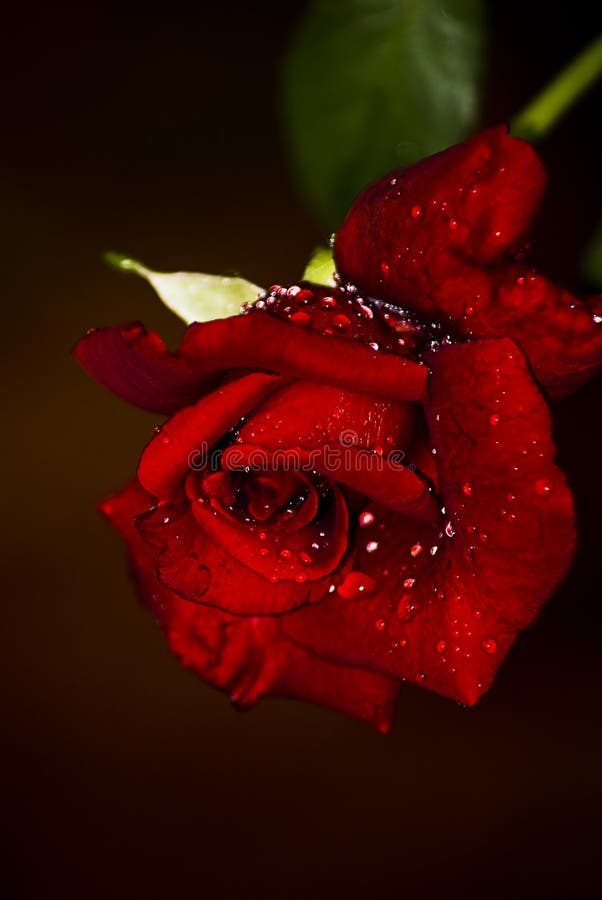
[[155, 132]]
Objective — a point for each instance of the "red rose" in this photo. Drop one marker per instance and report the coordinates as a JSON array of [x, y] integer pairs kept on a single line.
[[348, 494]]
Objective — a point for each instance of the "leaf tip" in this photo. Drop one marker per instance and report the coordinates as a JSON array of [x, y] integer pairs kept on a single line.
[[121, 262]]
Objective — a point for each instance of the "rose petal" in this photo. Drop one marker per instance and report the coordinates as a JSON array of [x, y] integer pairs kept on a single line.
[[446, 617], [305, 414], [436, 243], [259, 340], [280, 556], [136, 365], [195, 430], [248, 657], [384, 480]]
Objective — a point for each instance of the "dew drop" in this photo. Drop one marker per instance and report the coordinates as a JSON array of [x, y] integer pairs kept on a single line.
[[489, 646], [433, 550], [341, 322], [301, 318], [416, 212], [356, 585], [371, 546], [449, 530], [365, 519], [300, 577], [453, 224], [385, 268], [373, 345], [409, 583], [328, 302], [305, 559], [441, 647], [166, 440], [263, 551], [467, 489], [380, 624], [543, 488], [285, 553], [494, 419], [304, 296], [406, 608]]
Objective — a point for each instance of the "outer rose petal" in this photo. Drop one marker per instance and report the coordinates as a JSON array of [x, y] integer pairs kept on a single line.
[[447, 620], [247, 657], [262, 341], [434, 239], [136, 365]]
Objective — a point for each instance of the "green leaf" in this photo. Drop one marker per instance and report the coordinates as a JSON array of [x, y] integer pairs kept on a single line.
[[193, 296], [373, 85], [320, 269], [592, 259]]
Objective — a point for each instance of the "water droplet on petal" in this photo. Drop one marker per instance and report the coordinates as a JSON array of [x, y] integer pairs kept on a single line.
[[371, 546], [494, 419], [380, 624], [544, 488], [416, 550], [409, 583], [341, 322], [301, 318], [328, 302], [406, 608], [166, 440], [356, 585], [365, 519], [416, 212], [441, 647], [305, 559], [449, 530], [489, 646], [300, 577], [285, 553], [467, 489]]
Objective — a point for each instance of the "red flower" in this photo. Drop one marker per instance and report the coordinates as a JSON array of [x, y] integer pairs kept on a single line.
[[345, 496]]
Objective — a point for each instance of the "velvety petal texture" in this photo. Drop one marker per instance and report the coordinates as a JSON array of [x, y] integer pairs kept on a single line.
[[356, 485], [443, 239], [247, 657], [444, 602]]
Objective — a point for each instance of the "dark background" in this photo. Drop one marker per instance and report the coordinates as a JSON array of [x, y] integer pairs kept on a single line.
[[155, 132]]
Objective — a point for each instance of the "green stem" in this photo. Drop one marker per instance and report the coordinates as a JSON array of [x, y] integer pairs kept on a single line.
[[544, 111]]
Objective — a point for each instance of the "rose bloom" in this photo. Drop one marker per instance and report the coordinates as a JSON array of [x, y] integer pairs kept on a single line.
[[356, 487]]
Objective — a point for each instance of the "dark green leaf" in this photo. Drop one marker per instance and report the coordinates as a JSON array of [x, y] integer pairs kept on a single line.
[[371, 85]]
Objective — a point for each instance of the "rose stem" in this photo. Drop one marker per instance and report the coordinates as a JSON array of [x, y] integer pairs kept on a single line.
[[544, 111]]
